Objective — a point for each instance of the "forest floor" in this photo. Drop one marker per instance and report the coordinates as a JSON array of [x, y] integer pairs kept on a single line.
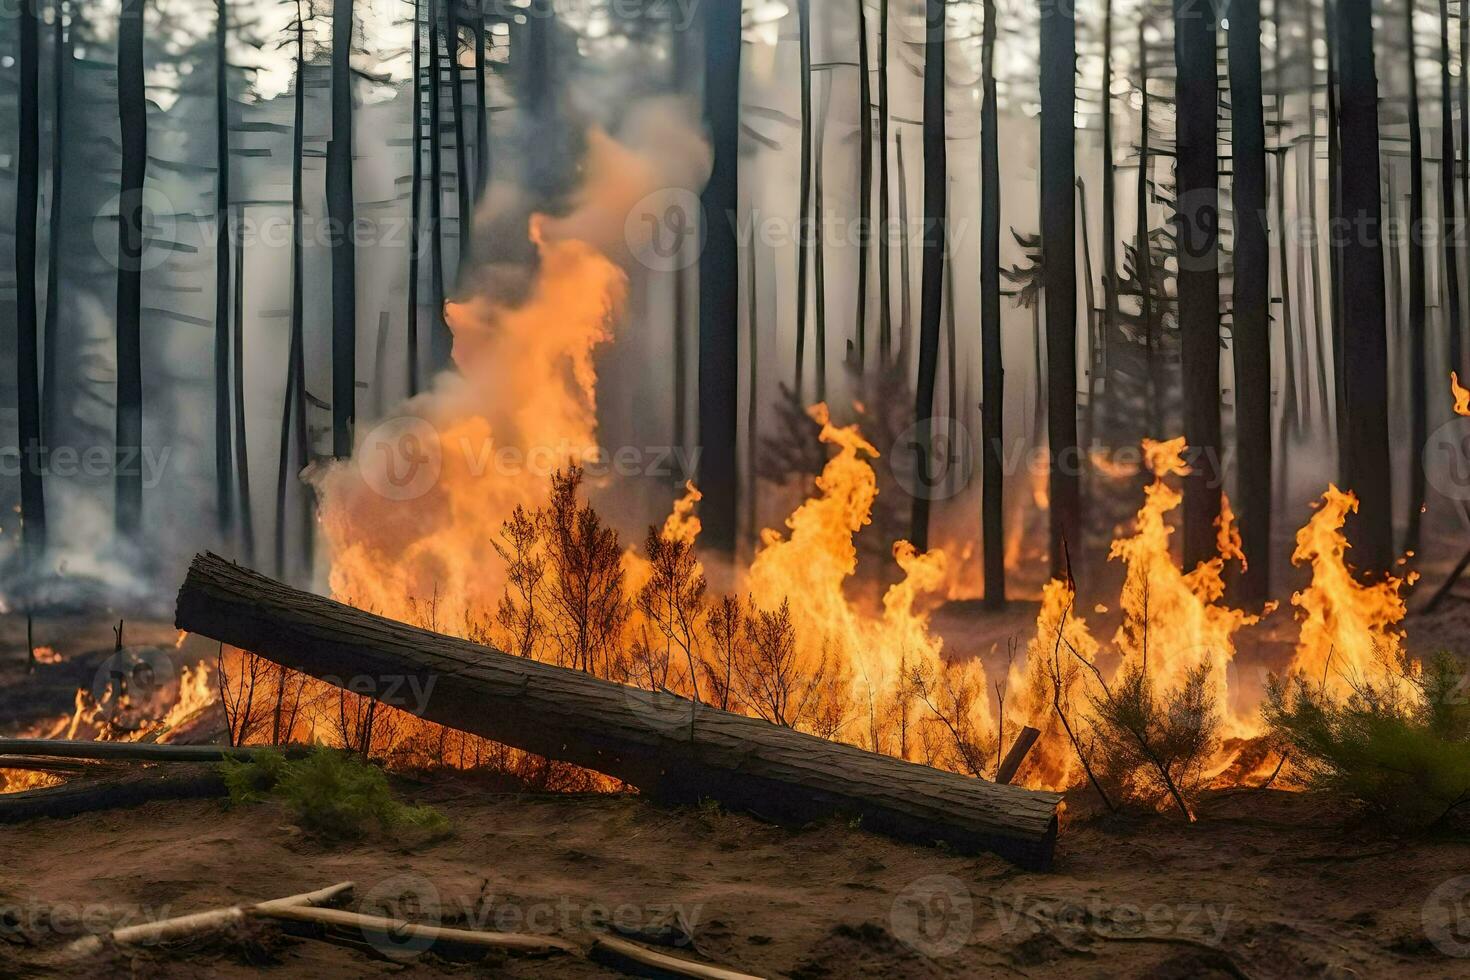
[[1267, 884]]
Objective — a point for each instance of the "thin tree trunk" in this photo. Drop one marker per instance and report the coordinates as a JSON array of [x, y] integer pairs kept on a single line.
[[936, 190], [442, 342], [1059, 271], [223, 479], [719, 283], [1199, 274], [1288, 388], [1449, 214], [1418, 334], [27, 349], [416, 202], [132, 102], [1313, 259], [1457, 351], [1365, 346], [51, 364], [1090, 314], [482, 114], [992, 406], [243, 504], [1251, 322], [1142, 245], [803, 228], [294, 410], [1109, 212], [885, 279], [465, 211], [905, 277], [865, 187], [340, 211], [752, 394], [1295, 411], [1334, 250], [819, 252]]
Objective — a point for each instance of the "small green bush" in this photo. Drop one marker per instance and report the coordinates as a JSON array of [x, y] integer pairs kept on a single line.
[[333, 793], [1402, 750]]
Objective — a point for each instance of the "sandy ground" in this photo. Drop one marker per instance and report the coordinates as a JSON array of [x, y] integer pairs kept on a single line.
[[1266, 884]]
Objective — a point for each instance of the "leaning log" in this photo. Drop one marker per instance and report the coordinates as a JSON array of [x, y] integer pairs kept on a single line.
[[61, 748], [670, 748], [113, 792]]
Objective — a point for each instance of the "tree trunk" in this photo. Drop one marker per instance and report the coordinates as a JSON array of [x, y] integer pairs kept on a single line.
[[672, 749], [441, 342], [51, 363], [132, 105], [1251, 322], [243, 506], [1059, 271], [340, 211], [819, 253], [1197, 226], [223, 478], [1418, 339], [992, 366], [1334, 250], [465, 210], [931, 299], [1449, 214], [1364, 330], [1109, 247], [803, 228], [27, 348], [416, 205], [1142, 245], [719, 283], [482, 115], [885, 278], [865, 187]]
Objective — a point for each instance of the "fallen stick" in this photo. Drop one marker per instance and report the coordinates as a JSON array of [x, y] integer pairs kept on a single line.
[[515, 942], [90, 795], [673, 750], [1017, 754], [618, 953], [186, 926], [62, 748]]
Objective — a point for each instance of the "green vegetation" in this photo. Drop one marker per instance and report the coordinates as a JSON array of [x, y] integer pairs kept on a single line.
[[1400, 747], [334, 794]]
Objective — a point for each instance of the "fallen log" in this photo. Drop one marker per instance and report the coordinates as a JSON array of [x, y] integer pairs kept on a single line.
[[399, 930], [62, 748], [1017, 755], [91, 795], [671, 749], [629, 957]]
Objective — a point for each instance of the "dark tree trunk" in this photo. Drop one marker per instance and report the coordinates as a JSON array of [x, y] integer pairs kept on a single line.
[[416, 205], [340, 210], [293, 414], [1314, 262], [885, 279], [1457, 354], [1251, 322], [865, 187], [132, 105], [243, 505], [482, 115], [992, 406], [1197, 227], [27, 349], [223, 478], [1334, 250], [931, 299], [1109, 213], [441, 342], [905, 278], [50, 368], [803, 228], [1449, 213], [1364, 331], [465, 209], [819, 252], [719, 283], [1142, 245], [1418, 339], [1059, 271]]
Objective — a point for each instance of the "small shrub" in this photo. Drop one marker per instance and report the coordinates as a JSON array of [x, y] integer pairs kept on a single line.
[[334, 794], [1400, 749]]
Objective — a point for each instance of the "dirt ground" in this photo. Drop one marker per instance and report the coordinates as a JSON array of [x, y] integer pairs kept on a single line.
[[1266, 884]]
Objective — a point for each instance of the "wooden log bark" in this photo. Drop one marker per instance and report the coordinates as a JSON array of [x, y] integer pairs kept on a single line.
[[60, 748], [88, 796], [673, 750]]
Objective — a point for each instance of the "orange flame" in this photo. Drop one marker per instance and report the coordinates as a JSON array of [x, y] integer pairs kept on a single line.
[[1462, 395]]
